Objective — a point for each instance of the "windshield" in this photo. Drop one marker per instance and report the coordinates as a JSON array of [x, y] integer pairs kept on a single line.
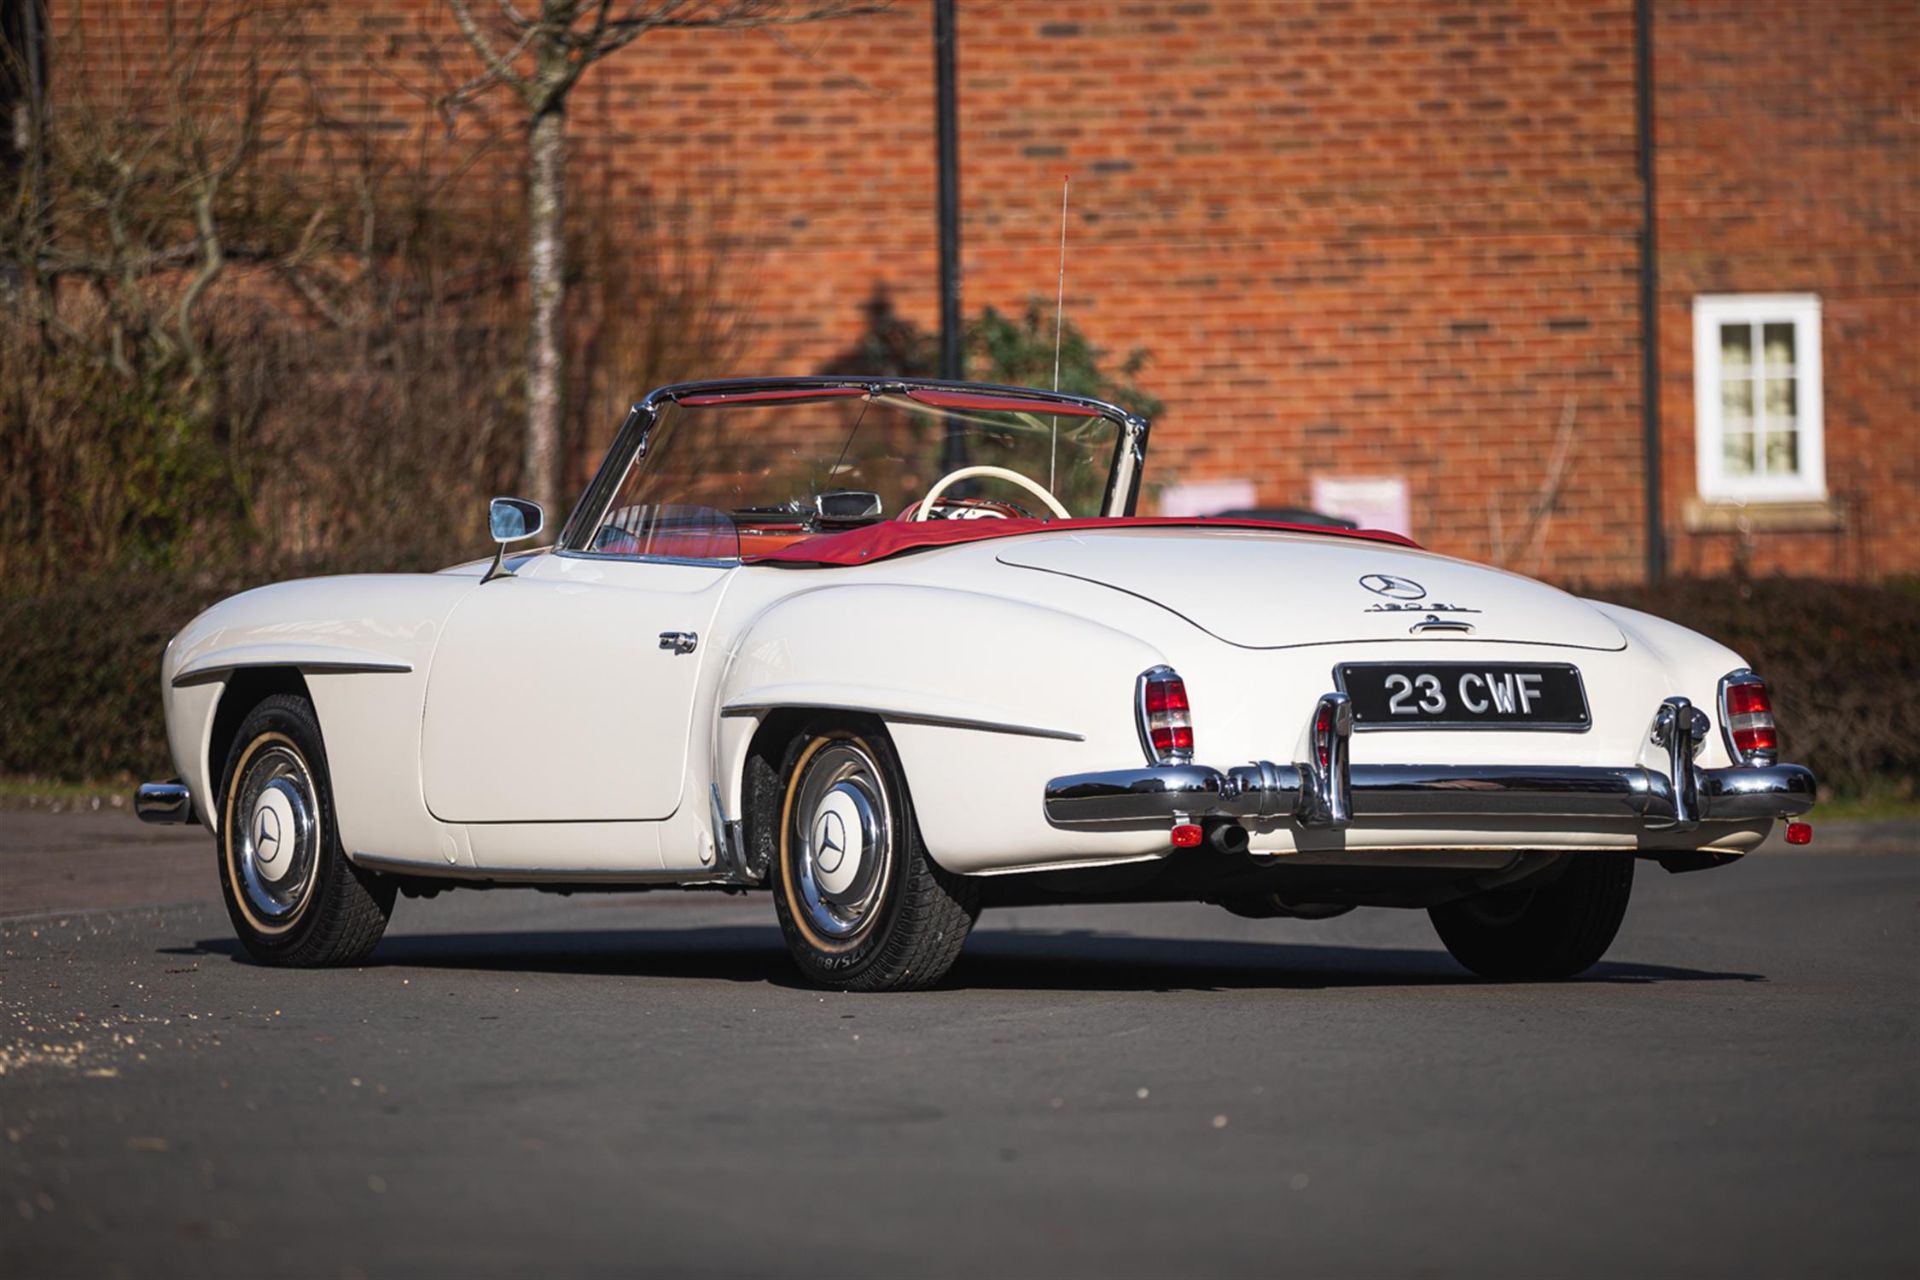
[[761, 470]]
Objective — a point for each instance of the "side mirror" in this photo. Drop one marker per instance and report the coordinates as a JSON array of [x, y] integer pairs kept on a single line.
[[514, 519], [510, 520]]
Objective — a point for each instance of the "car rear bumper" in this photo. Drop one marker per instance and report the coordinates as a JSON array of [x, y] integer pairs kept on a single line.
[[163, 802], [1329, 793]]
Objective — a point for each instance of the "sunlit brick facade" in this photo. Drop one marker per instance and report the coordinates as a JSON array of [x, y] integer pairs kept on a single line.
[[1390, 240]]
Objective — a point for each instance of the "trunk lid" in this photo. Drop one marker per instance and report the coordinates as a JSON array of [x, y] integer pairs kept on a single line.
[[1262, 590]]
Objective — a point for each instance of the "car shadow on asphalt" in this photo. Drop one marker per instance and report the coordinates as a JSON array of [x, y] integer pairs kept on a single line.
[[1029, 960]]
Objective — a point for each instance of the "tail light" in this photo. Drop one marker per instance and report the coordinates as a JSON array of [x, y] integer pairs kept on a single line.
[[1166, 720], [1323, 734], [1746, 717]]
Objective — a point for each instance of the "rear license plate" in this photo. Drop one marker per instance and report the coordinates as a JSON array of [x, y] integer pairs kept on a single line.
[[1464, 695]]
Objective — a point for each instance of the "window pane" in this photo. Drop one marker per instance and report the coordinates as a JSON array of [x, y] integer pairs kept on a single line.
[[1779, 348], [1782, 407], [1736, 349], [1736, 453], [1736, 405], [1783, 453]]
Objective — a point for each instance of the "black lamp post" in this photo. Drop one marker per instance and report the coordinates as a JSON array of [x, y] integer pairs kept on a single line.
[[952, 357]]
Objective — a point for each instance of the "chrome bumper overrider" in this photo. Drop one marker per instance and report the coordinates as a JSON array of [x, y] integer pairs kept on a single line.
[[163, 802], [1329, 793]]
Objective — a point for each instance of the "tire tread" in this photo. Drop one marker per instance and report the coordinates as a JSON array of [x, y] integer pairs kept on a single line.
[[351, 906], [936, 907], [1563, 931]]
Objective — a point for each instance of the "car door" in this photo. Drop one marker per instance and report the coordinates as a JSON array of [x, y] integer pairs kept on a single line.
[[553, 699]]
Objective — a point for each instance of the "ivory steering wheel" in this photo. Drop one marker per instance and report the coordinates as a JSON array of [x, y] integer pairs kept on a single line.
[[924, 509]]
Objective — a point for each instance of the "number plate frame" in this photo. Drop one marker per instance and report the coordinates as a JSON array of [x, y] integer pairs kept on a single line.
[[1369, 697]]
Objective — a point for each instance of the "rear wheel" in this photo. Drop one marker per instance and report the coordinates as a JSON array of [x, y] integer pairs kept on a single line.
[[862, 905], [1556, 930], [293, 897]]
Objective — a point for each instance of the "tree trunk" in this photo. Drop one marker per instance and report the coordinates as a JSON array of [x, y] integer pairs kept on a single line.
[[546, 298]]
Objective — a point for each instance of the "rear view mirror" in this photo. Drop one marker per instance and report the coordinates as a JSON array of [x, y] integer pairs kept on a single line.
[[513, 519], [510, 520]]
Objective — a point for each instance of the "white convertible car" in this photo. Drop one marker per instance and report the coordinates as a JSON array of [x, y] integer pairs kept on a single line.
[[898, 650]]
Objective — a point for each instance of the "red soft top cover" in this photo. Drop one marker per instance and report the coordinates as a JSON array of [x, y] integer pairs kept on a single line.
[[897, 537]]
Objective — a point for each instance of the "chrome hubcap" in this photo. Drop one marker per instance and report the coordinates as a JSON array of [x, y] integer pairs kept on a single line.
[[841, 835], [276, 839]]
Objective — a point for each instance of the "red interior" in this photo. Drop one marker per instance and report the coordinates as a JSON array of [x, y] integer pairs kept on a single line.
[[897, 537]]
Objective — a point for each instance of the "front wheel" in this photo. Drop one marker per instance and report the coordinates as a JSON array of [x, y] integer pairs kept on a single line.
[[862, 905], [1556, 930], [293, 897]]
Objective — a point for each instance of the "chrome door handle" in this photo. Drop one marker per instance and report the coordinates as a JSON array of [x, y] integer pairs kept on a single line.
[[679, 641]]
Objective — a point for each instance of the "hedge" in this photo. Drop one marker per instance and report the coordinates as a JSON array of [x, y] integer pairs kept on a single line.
[[81, 698], [80, 701], [1842, 660]]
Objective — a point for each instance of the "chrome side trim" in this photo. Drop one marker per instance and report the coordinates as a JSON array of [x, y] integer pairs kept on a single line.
[[221, 670], [513, 876], [163, 802], [906, 717]]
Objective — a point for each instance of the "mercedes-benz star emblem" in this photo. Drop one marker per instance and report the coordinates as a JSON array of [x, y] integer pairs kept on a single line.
[[1386, 584], [266, 835], [830, 841]]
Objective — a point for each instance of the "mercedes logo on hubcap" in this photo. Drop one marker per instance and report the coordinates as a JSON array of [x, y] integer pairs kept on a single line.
[[1386, 584], [830, 841], [266, 835]]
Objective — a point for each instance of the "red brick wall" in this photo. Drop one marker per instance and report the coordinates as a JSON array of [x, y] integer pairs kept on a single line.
[[1360, 237], [1789, 162], [1381, 238]]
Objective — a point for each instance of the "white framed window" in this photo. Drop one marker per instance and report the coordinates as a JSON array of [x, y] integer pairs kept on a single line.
[[1756, 394]]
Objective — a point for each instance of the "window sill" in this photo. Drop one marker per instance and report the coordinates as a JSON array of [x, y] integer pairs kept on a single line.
[[1821, 515]]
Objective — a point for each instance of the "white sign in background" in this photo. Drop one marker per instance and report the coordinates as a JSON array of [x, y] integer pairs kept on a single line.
[[1372, 502], [1206, 497]]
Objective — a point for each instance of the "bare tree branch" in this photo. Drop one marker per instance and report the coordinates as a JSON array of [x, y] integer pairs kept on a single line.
[[499, 69], [565, 38]]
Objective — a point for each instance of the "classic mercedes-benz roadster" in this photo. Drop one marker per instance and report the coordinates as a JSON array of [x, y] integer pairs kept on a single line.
[[899, 650]]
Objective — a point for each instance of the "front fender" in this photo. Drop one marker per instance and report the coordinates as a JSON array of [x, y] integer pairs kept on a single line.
[[984, 697], [363, 644]]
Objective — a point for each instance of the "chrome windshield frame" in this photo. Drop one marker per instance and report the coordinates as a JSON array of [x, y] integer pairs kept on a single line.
[[629, 445]]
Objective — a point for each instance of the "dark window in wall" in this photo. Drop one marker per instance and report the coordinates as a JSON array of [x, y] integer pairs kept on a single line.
[[23, 25]]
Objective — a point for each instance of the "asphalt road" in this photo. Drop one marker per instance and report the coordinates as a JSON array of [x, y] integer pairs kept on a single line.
[[523, 1084]]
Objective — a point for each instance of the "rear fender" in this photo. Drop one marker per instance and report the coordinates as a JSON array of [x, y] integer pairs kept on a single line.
[[981, 695]]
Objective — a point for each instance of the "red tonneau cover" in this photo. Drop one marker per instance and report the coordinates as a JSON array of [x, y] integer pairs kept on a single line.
[[897, 537]]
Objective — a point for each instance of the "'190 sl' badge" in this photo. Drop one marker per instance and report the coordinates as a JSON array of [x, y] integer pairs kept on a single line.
[[1403, 595]]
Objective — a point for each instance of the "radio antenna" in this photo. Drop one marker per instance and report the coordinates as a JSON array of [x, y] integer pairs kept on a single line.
[[1059, 317]]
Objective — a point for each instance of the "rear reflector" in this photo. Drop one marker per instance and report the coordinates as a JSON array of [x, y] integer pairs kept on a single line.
[[1186, 835], [1166, 719], [1748, 711], [1797, 833]]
